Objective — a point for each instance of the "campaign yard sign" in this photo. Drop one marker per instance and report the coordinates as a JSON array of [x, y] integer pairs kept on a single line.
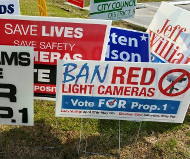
[[123, 91], [78, 3], [52, 39], [10, 7], [16, 85], [170, 35], [128, 45], [112, 9]]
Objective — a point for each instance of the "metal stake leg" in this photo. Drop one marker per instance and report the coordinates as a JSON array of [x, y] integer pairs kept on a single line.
[[135, 143], [119, 137], [53, 147], [57, 123], [80, 135], [86, 136]]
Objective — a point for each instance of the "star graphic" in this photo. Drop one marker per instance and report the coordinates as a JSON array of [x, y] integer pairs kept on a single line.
[[66, 102], [143, 37]]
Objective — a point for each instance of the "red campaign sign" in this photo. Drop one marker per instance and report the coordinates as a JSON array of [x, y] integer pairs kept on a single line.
[[79, 3], [52, 39], [185, 75]]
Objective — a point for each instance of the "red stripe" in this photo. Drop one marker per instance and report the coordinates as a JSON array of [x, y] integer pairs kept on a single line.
[[44, 88]]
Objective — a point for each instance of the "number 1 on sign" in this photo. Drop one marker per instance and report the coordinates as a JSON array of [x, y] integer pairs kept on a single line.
[[24, 112], [165, 106]]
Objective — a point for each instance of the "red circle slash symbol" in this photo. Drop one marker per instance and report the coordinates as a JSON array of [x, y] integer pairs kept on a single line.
[[168, 91]]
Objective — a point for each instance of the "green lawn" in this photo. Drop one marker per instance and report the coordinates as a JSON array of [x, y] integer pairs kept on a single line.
[[156, 140]]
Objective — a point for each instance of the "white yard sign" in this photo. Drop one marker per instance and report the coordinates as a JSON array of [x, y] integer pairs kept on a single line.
[[10, 7], [123, 91], [16, 85], [112, 9], [170, 35]]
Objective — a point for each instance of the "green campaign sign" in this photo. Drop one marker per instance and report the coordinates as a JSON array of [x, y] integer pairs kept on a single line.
[[112, 9], [100, 1]]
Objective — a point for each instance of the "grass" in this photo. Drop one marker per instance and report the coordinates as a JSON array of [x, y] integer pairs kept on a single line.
[[156, 140]]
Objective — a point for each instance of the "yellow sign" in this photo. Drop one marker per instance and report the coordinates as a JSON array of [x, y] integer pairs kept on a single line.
[[42, 7]]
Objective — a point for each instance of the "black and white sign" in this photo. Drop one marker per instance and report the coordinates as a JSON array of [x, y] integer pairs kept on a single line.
[[16, 85], [9, 7]]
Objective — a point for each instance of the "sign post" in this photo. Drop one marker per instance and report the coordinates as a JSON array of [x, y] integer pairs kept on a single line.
[[86, 141], [55, 142], [135, 143], [42, 7]]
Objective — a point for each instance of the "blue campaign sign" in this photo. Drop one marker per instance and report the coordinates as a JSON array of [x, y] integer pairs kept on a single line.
[[128, 45], [120, 104]]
